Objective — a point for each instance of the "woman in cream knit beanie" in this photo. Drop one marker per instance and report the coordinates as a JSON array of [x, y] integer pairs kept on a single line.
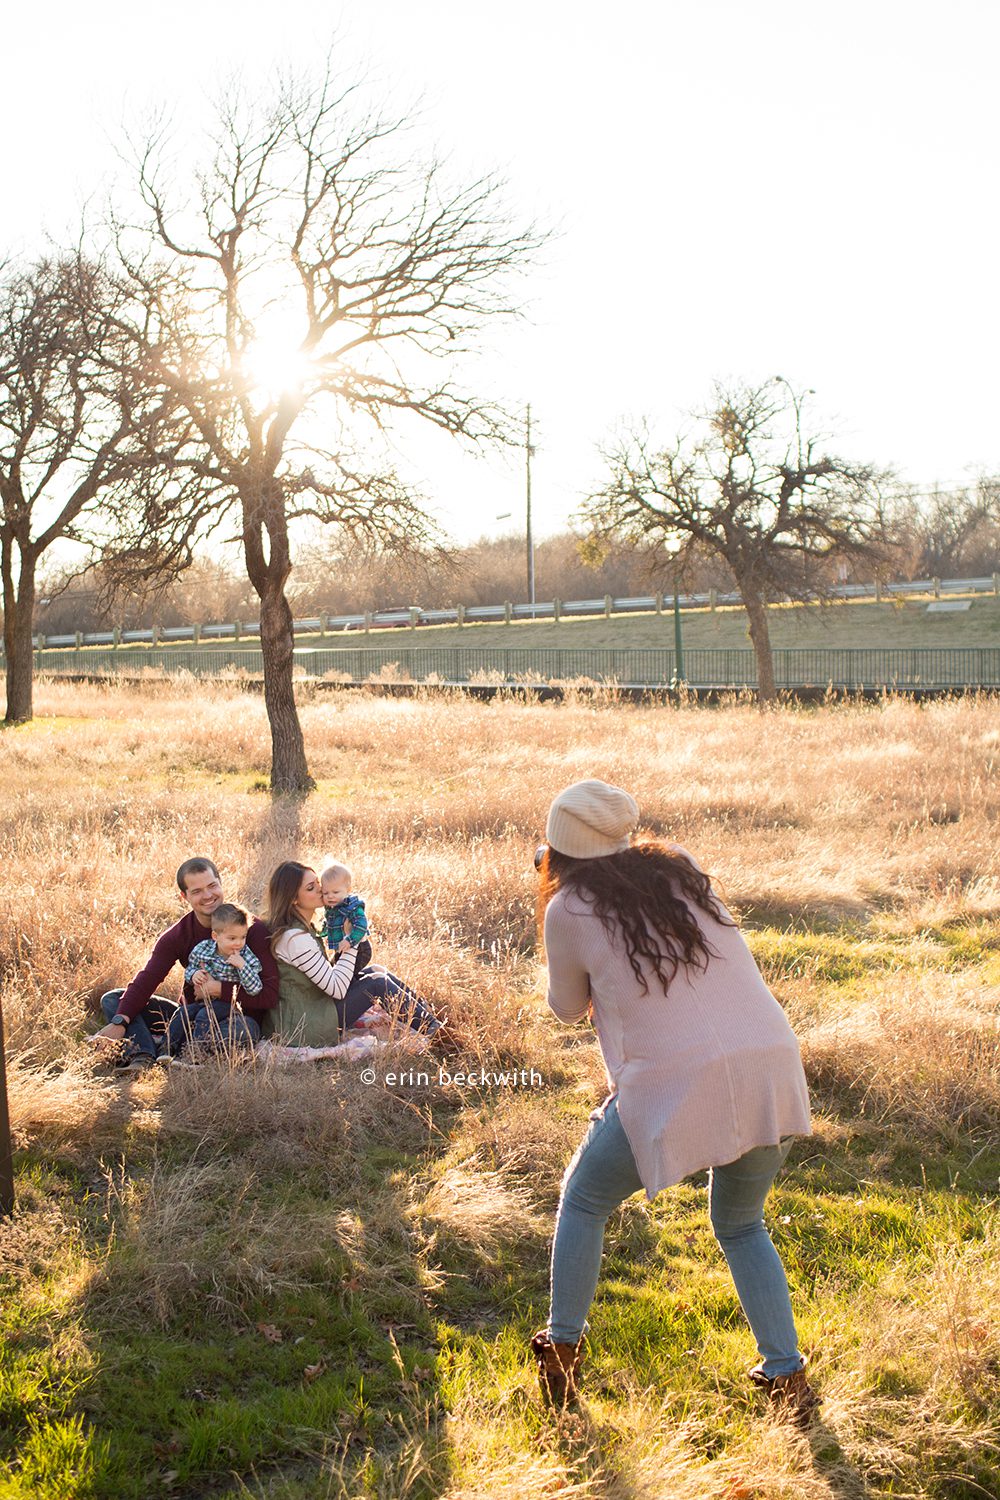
[[590, 819], [703, 1067]]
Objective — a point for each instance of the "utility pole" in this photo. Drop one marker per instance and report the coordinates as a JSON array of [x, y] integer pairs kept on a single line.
[[678, 677], [528, 537], [6, 1151]]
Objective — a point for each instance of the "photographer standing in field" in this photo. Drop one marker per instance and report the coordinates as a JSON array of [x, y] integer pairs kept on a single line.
[[136, 1016], [704, 1069]]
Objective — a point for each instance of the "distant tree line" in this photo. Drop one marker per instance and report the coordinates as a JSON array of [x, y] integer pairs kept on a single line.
[[943, 535], [338, 581]]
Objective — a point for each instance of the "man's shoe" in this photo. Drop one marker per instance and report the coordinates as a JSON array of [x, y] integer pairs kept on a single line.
[[137, 1063], [558, 1367], [791, 1395]]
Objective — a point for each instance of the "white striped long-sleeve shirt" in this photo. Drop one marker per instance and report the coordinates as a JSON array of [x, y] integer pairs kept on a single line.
[[303, 949]]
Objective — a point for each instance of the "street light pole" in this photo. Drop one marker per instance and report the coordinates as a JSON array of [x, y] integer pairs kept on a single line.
[[529, 540]]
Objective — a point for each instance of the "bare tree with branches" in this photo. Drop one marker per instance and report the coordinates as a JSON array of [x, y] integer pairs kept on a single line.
[[299, 311], [753, 488], [948, 532], [76, 438]]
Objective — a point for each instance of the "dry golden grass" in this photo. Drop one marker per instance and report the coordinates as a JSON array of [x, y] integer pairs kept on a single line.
[[885, 815], [860, 839], [198, 1239], [914, 1055]]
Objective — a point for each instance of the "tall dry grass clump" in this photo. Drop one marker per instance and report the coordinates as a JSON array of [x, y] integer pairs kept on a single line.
[[285, 1118], [65, 1108], [198, 1239], [909, 1059]]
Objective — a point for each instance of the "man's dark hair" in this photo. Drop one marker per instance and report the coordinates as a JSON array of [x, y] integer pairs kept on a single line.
[[228, 914], [193, 867]]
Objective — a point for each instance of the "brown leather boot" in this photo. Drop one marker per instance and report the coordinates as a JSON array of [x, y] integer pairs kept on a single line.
[[558, 1365], [792, 1395]]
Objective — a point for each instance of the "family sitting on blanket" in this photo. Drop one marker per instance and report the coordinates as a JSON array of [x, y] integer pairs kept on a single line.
[[244, 979]]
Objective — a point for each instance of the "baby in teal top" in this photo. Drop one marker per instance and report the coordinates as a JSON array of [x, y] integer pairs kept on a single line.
[[345, 912]]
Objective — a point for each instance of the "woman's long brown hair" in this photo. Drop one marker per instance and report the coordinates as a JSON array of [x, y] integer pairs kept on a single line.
[[645, 896], [282, 889]]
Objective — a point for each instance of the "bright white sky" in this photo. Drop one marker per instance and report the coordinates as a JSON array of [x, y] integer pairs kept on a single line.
[[742, 188]]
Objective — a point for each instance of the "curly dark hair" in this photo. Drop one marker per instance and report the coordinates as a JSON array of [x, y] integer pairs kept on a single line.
[[646, 893]]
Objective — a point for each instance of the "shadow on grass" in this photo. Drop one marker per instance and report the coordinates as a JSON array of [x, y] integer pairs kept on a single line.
[[277, 837], [275, 1320], [245, 1309]]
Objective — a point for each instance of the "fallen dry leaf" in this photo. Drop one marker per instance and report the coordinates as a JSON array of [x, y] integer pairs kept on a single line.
[[737, 1488]]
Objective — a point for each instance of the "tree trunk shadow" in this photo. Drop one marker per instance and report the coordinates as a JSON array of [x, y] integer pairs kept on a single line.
[[276, 839]]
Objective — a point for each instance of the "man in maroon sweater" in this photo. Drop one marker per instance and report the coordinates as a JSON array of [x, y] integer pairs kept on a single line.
[[137, 1018]]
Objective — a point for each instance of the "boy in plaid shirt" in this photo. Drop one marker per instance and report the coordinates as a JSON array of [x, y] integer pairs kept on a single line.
[[226, 957]]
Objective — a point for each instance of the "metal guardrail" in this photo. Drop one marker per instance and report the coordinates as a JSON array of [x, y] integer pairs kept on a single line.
[[844, 668], [482, 613]]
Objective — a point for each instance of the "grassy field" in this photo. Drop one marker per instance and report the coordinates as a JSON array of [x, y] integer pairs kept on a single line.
[[905, 622], [242, 1281]]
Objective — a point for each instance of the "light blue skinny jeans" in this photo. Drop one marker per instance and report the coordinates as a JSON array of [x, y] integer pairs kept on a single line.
[[603, 1174]]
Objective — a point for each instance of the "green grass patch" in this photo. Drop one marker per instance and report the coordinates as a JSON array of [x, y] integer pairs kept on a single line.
[[968, 942], [322, 1374], [825, 957], [851, 957]]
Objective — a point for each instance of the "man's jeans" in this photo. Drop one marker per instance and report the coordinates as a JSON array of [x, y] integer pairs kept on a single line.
[[147, 1033], [603, 1174], [165, 1026]]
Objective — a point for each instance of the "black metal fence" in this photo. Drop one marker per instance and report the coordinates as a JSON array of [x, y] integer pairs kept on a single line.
[[847, 668]]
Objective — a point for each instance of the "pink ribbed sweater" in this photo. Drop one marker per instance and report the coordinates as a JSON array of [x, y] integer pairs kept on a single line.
[[704, 1072]]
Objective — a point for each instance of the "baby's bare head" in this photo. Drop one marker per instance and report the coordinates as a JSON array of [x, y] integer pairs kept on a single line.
[[335, 883]]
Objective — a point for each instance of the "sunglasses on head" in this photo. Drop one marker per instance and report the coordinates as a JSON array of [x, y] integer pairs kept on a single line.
[[540, 854]]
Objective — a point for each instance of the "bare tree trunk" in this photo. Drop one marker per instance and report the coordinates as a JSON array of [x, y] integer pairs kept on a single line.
[[760, 639], [9, 596], [18, 619], [268, 572], [6, 1149], [289, 771]]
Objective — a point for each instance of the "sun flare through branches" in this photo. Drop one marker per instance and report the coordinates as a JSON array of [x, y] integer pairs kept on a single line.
[[275, 366]]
